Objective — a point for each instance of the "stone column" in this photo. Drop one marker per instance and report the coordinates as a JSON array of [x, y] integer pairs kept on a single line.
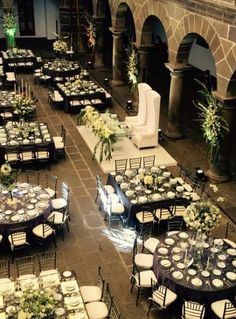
[[144, 58], [98, 52], [220, 172], [117, 79], [175, 101]]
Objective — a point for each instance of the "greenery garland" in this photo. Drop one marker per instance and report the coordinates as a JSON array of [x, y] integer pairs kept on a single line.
[[213, 125]]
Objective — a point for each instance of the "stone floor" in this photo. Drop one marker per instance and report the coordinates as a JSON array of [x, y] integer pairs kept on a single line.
[[89, 244]]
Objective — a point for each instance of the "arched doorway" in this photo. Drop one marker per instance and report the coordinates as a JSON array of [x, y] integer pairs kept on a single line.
[[85, 7], [194, 52], [153, 56], [124, 22], [104, 12]]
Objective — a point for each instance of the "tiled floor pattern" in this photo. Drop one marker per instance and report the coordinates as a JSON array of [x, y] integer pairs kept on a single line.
[[89, 243]]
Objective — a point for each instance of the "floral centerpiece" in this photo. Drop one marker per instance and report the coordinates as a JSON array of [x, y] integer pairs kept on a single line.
[[59, 45], [132, 66], [9, 26], [7, 176], [203, 214], [37, 304], [106, 136], [213, 125], [23, 106]]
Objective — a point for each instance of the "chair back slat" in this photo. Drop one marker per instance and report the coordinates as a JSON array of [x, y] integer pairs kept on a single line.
[[47, 260], [108, 298], [230, 310], [121, 165], [114, 312], [25, 265], [5, 269], [135, 163], [148, 161], [193, 310]]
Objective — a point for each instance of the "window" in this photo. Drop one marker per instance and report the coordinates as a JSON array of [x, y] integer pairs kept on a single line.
[[26, 17]]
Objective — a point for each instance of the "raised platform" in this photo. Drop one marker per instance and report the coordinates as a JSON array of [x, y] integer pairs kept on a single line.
[[124, 148]]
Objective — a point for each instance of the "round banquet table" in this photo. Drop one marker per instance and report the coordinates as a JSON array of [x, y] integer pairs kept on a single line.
[[211, 279], [27, 205]]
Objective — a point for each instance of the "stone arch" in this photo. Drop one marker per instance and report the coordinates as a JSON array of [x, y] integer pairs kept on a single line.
[[148, 9], [227, 73], [179, 49], [152, 31], [117, 11]]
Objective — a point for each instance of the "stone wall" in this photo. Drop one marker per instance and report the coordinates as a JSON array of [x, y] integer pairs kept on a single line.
[[214, 21]]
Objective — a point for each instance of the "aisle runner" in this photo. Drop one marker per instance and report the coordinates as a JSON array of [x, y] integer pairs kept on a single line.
[[124, 148]]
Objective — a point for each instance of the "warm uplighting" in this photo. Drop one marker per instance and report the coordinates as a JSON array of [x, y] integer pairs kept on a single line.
[[129, 105], [200, 175]]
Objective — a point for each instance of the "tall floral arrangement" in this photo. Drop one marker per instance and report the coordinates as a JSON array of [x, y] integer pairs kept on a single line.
[[37, 304], [106, 136], [9, 26], [132, 66], [203, 214], [90, 31], [213, 125]]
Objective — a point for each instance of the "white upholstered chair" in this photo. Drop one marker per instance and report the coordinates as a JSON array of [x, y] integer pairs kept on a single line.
[[147, 135], [140, 118]]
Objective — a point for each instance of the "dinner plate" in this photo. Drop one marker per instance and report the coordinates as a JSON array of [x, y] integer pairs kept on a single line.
[[31, 206], [4, 192], [218, 283], [10, 310], [163, 250], [59, 312], [24, 185], [148, 191], [170, 195], [70, 286], [231, 251], [192, 272], [197, 282], [33, 200], [32, 212], [231, 275], [234, 263], [177, 274], [183, 235], [205, 273], [161, 190], [133, 201], [169, 241], [74, 301], [176, 250], [118, 178], [142, 199], [8, 212], [218, 241], [67, 274], [216, 272], [44, 196], [129, 193], [176, 257], [156, 197], [42, 205], [165, 263], [180, 265], [221, 264], [36, 189], [20, 211], [15, 218]]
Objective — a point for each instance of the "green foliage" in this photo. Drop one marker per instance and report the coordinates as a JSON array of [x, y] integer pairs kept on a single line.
[[213, 125], [132, 65]]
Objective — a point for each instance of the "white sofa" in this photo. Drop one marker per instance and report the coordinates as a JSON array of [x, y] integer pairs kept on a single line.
[[140, 118], [147, 135]]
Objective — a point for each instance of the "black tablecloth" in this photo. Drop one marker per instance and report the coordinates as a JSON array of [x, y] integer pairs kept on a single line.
[[23, 202], [207, 293], [86, 96], [60, 73], [132, 209]]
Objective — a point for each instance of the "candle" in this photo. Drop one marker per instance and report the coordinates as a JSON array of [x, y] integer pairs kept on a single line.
[[185, 255], [19, 90], [22, 83], [29, 92], [15, 88], [208, 260], [26, 89]]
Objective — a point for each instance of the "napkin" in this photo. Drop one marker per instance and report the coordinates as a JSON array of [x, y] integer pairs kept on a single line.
[[217, 282], [73, 302], [188, 187]]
